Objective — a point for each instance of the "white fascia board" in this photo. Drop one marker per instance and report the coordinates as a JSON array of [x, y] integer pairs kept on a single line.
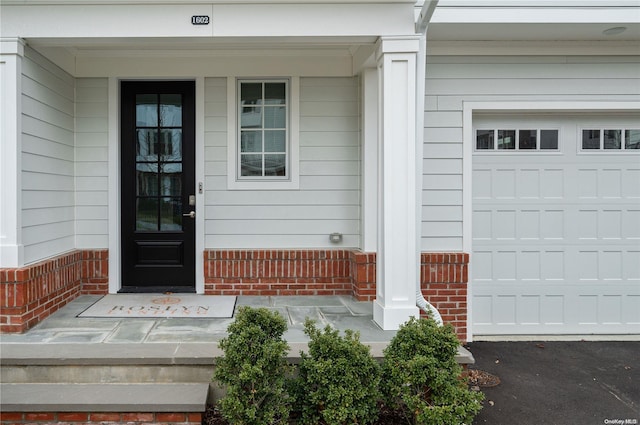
[[536, 15], [99, 21], [533, 48], [342, 19], [539, 3], [208, 2]]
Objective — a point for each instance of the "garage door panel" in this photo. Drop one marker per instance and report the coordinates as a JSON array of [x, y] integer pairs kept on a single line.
[[631, 309], [552, 224], [631, 266], [631, 225], [529, 183], [631, 183], [552, 183], [504, 224], [551, 308], [556, 237]]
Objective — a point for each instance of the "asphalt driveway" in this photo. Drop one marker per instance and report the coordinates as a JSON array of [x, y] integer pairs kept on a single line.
[[580, 382]]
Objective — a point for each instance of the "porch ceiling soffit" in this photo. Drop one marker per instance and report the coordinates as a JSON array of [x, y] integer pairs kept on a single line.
[[338, 56]]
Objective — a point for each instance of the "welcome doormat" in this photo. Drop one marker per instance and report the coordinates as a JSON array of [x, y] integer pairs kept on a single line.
[[162, 306]]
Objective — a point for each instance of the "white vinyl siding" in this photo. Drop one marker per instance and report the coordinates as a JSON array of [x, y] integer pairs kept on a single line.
[[47, 159], [328, 198], [453, 80], [92, 166]]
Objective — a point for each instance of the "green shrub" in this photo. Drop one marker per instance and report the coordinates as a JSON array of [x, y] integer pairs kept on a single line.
[[338, 380], [254, 369], [421, 378]]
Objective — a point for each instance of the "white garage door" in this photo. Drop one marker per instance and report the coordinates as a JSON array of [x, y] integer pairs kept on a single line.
[[556, 225]]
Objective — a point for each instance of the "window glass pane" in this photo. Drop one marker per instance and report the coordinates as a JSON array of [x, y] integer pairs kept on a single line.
[[250, 165], [146, 214], [275, 117], [147, 179], [251, 117], [612, 139], [274, 165], [146, 110], [170, 214], [170, 148], [590, 139], [146, 144], [275, 140], [274, 93], [263, 129], [170, 110], [548, 139], [251, 93], [632, 139], [171, 179], [506, 139], [251, 141], [484, 139], [528, 139]]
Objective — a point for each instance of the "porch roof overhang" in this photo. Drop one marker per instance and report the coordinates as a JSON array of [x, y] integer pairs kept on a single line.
[[82, 37], [86, 38], [520, 27]]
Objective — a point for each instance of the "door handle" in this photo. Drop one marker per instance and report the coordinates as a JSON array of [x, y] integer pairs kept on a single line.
[[191, 214]]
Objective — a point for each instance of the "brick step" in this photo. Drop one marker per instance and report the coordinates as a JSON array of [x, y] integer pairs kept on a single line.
[[68, 397]]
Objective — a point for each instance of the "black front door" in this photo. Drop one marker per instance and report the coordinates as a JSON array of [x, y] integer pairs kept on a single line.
[[158, 186]]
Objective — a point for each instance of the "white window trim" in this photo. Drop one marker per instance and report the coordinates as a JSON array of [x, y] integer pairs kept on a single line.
[[293, 182]]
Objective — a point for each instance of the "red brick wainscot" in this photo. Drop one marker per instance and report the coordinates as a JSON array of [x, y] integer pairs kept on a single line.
[[444, 276], [45, 418], [31, 293], [277, 272]]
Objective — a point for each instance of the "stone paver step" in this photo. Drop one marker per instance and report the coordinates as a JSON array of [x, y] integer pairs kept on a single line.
[[145, 354], [166, 397]]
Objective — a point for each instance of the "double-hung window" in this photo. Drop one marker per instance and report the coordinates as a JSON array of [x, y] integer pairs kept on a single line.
[[263, 128], [264, 135]]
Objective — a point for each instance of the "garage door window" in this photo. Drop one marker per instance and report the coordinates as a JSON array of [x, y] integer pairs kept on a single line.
[[511, 140], [610, 139]]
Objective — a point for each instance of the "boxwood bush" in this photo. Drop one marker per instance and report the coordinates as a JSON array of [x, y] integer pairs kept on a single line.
[[338, 381], [421, 379], [254, 369]]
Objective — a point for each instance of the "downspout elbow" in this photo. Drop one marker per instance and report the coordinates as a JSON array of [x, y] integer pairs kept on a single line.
[[427, 307]]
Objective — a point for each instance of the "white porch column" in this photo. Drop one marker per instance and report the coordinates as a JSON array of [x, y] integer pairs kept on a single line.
[[369, 159], [11, 249], [398, 265]]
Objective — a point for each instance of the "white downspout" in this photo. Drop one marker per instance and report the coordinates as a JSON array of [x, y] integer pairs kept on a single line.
[[421, 28]]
